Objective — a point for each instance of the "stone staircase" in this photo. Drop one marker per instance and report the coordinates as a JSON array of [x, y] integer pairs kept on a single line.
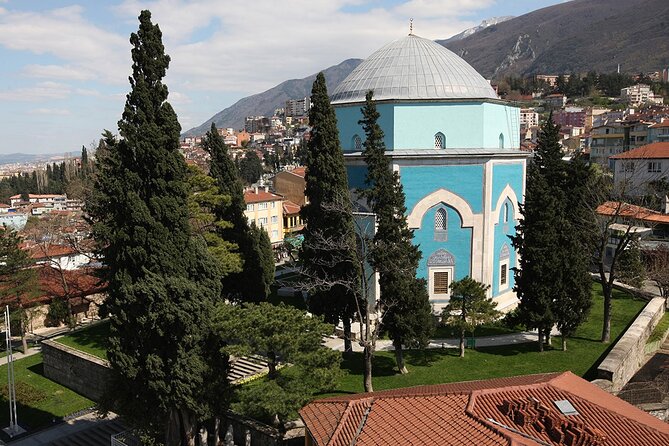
[[97, 435], [246, 367]]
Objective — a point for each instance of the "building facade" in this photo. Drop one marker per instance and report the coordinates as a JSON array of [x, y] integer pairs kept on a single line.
[[265, 210], [456, 146]]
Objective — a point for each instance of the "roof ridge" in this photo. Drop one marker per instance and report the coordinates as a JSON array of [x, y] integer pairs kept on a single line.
[[340, 425]]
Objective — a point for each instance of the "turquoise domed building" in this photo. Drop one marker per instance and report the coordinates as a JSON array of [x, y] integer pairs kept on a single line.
[[456, 146]]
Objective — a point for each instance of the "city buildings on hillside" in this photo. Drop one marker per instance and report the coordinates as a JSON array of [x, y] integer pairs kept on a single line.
[[297, 107], [528, 118], [557, 100], [659, 132], [558, 409], [640, 94], [456, 147]]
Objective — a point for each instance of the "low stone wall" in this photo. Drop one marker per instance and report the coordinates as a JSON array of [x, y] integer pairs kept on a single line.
[[85, 374], [629, 353]]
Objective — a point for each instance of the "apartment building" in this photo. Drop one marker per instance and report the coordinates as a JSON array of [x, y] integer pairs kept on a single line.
[[265, 209]]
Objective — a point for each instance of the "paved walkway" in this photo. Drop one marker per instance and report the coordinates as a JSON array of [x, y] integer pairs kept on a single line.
[[483, 341], [61, 430]]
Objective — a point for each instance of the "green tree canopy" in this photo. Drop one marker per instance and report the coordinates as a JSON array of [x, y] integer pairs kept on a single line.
[[162, 282]]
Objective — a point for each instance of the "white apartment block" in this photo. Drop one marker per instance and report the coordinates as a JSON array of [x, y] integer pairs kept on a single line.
[[640, 94]]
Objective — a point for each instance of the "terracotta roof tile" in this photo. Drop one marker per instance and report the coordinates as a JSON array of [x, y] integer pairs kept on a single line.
[[506, 411], [626, 210], [251, 196], [649, 151], [291, 208]]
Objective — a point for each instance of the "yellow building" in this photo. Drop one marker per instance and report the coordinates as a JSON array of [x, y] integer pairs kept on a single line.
[[266, 210]]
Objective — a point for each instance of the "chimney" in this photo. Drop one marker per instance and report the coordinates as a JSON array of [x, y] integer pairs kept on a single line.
[[665, 206], [266, 188], [255, 190]]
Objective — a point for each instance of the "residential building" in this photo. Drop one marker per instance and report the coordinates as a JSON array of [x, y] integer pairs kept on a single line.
[[659, 132], [640, 94], [616, 138], [570, 118], [633, 170], [292, 220], [456, 148], [58, 201], [528, 118], [550, 79], [257, 124], [290, 183], [265, 209], [557, 100], [61, 256], [552, 409], [297, 107]]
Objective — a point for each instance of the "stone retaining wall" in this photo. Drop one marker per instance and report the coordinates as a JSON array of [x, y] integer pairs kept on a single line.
[[85, 374], [629, 354]]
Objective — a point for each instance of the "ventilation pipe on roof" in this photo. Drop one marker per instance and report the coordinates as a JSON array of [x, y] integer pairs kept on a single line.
[[665, 205]]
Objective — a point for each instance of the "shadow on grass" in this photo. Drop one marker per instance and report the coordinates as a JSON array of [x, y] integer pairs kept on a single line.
[[37, 369], [95, 336]]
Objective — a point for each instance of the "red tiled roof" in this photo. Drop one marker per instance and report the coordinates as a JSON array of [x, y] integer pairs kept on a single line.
[[506, 411], [625, 210], [251, 196], [290, 208], [657, 125], [649, 151], [17, 196], [299, 171], [38, 252]]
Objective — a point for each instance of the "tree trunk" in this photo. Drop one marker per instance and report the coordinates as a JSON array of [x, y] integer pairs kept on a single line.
[[399, 358], [541, 340], [564, 343], [271, 365], [180, 428], [606, 329], [22, 329], [462, 343], [368, 353], [348, 344], [547, 337]]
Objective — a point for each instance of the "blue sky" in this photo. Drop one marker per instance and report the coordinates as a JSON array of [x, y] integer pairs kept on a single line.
[[64, 64]]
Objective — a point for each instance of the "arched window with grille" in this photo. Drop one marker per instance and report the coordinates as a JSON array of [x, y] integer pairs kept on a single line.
[[439, 141], [357, 143], [506, 212], [501, 140], [441, 225]]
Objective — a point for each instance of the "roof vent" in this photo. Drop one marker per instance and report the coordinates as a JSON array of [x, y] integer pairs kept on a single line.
[[565, 407]]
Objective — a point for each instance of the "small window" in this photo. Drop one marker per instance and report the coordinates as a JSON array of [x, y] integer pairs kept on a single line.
[[506, 212], [501, 140], [654, 166], [502, 274], [441, 225], [439, 141], [262, 206], [249, 207], [275, 234], [357, 143], [275, 219], [262, 221], [273, 204], [441, 282]]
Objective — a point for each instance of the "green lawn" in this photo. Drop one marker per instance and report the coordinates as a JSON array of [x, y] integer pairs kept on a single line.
[[91, 339], [40, 401], [660, 329], [442, 366]]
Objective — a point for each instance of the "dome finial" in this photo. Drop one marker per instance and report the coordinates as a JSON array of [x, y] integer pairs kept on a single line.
[[411, 26]]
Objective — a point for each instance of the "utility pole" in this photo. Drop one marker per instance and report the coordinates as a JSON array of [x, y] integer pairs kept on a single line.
[[14, 429]]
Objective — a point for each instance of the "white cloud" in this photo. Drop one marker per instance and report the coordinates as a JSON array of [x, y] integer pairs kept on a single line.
[[50, 111], [86, 49], [42, 91]]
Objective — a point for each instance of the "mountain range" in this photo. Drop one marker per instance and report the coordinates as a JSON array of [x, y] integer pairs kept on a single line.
[[576, 36]]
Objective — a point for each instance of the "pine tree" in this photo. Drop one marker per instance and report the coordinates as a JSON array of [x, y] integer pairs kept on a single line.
[[469, 307], [407, 315], [162, 283], [252, 283], [537, 240], [328, 251]]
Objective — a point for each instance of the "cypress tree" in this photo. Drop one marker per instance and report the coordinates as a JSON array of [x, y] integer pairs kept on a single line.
[[329, 245], [407, 315], [162, 283], [253, 282]]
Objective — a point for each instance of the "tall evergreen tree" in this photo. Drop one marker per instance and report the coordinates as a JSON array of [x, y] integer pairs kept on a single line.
[[537, 240], [329, 244], [252, 283], [407, 315], [162, 283]]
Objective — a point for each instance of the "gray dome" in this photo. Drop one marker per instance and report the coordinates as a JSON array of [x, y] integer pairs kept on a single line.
[[413, 68]]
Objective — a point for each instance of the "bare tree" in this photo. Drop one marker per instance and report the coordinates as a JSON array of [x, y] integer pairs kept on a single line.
[[657, 268]]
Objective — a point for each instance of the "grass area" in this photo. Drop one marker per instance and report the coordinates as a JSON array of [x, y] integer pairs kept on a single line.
[[40, 400], [660, 329], [91, 339], [584, 352], [446, 331]]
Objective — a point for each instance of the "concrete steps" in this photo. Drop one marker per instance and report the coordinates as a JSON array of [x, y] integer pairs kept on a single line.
[[246, 367], [98, 435]]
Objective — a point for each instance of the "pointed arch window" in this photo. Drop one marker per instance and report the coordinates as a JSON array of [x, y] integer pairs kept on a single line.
[[357, 143], [501, 140], [439, 141], [441, 225], [506, 212]]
